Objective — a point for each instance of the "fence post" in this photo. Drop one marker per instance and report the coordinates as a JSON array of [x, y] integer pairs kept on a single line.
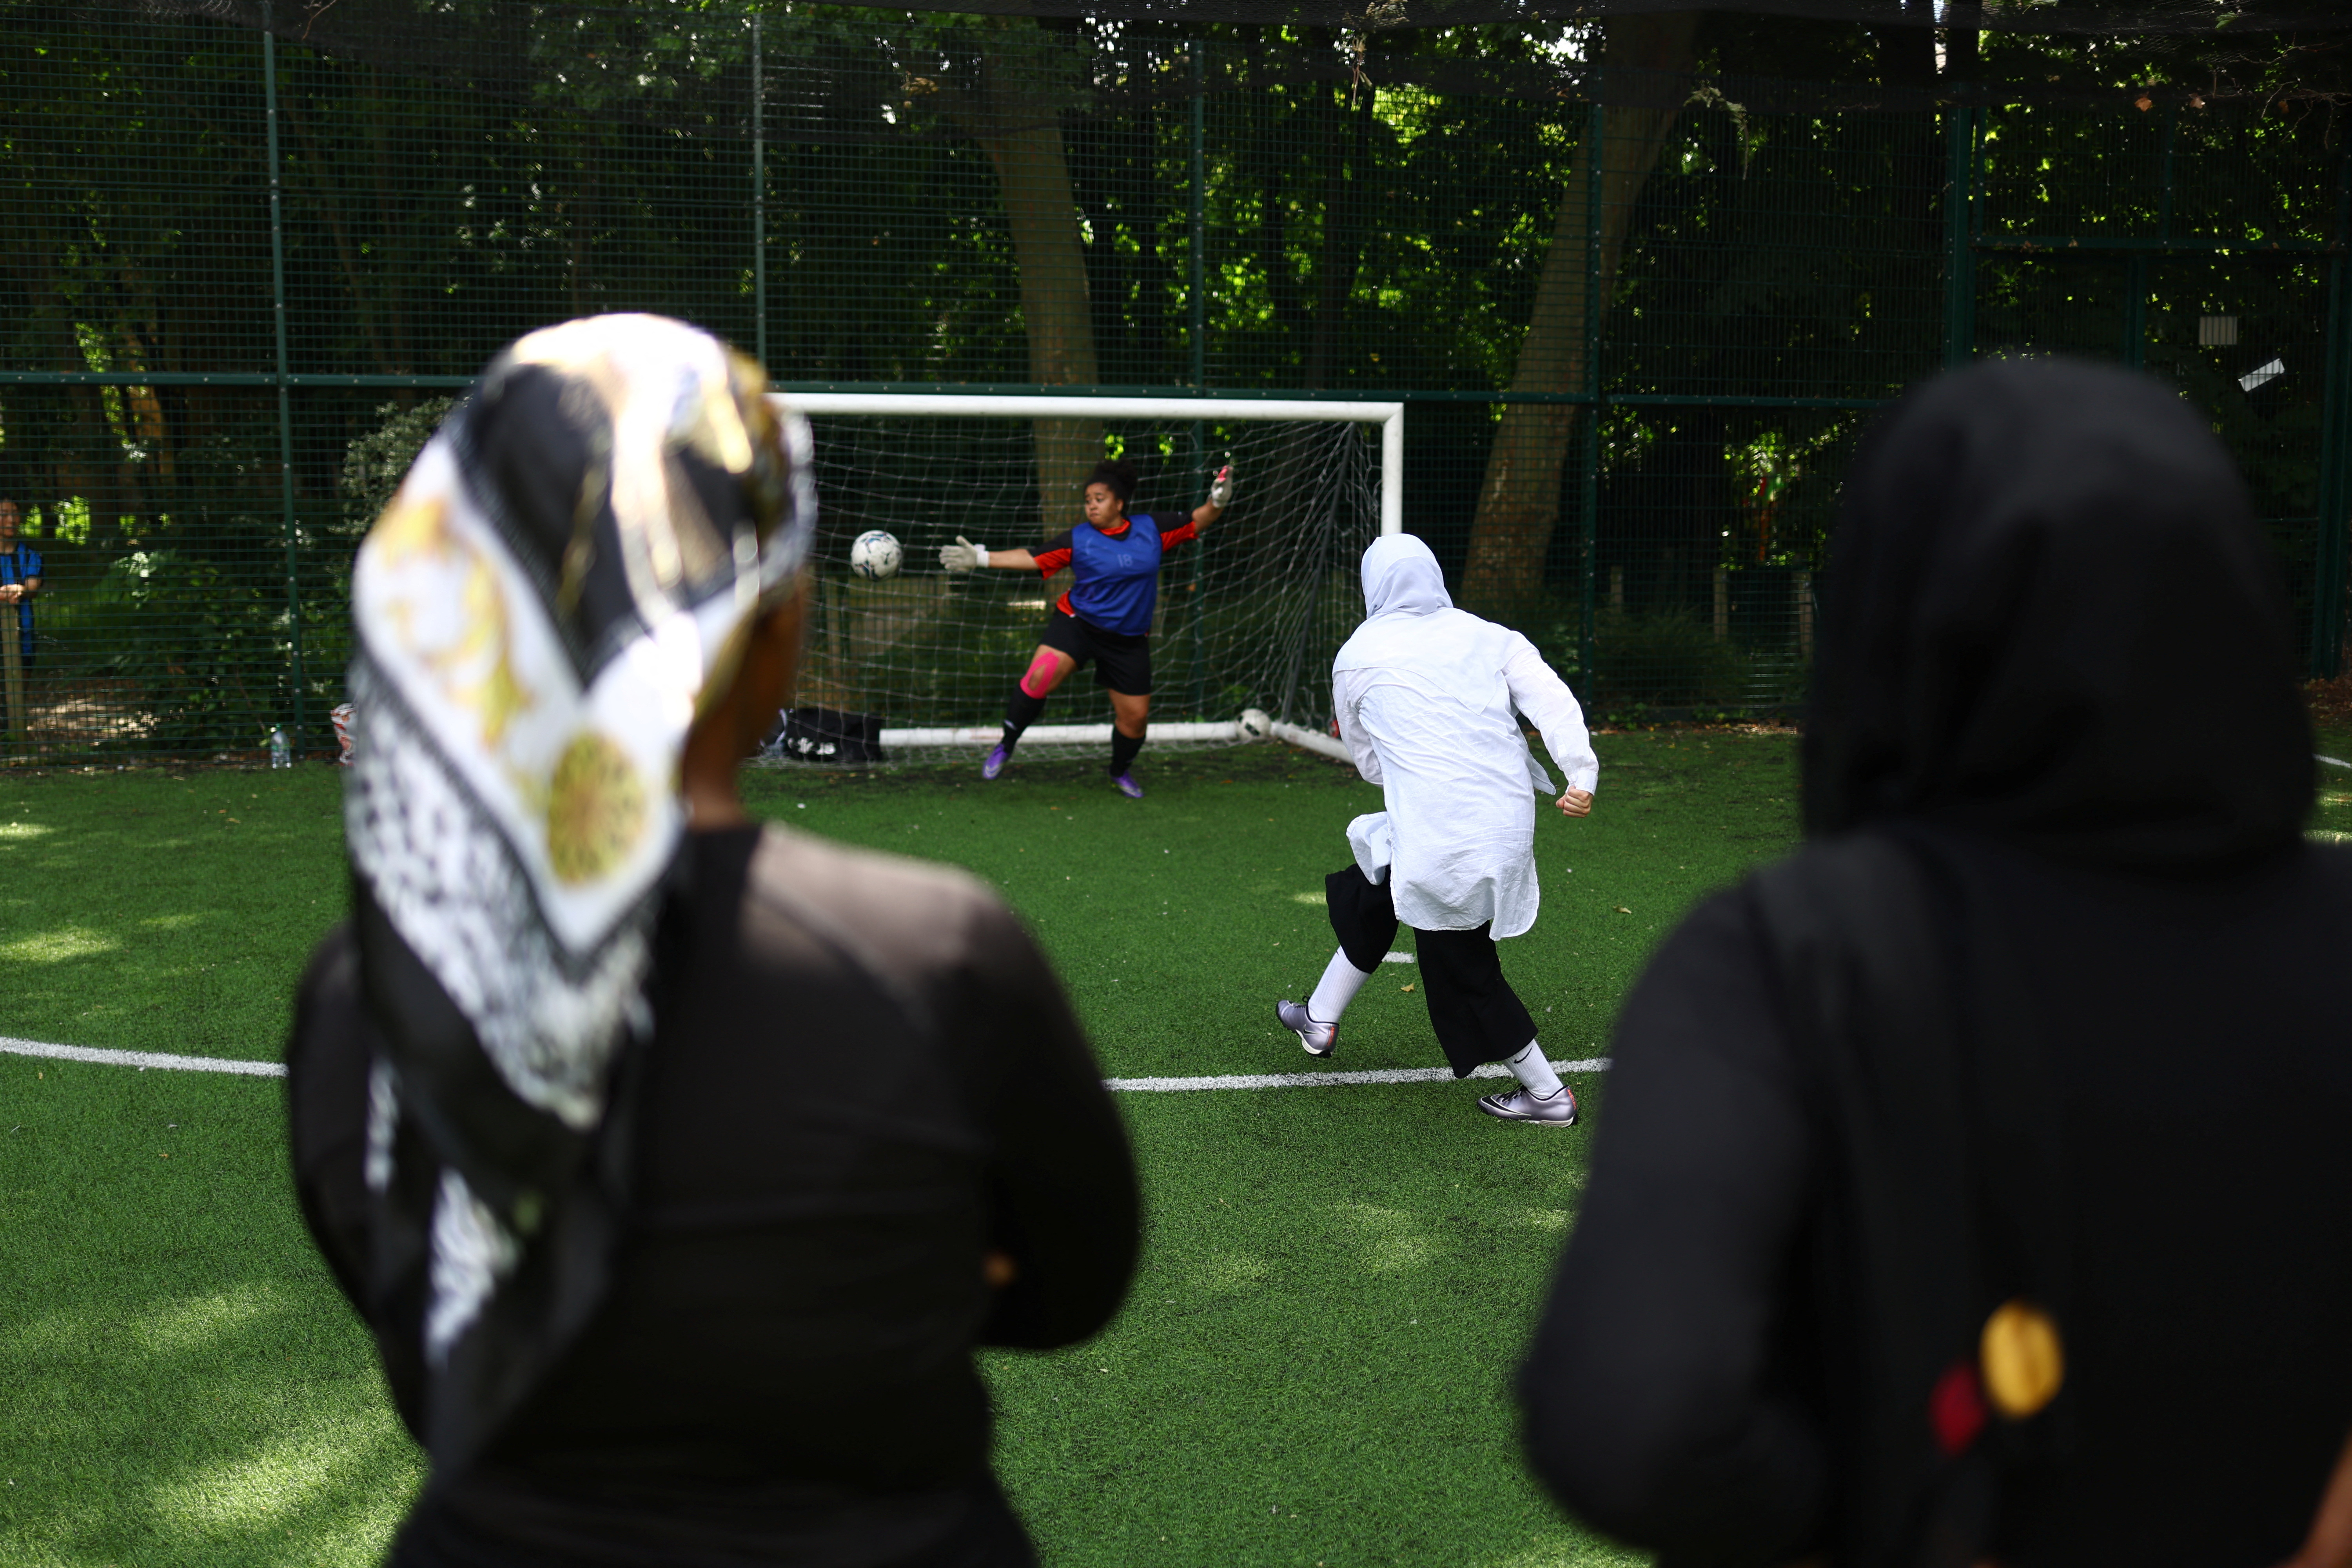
[[12, 660], [1959, 260], [285, 408], [1197, 309], [2135, 310], [1595, 133], [759, 205]]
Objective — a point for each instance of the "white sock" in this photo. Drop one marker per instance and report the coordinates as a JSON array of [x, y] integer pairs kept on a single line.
[[1341, 980], [1533, 1069]]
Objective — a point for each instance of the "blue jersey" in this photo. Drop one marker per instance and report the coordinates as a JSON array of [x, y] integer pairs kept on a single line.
[[1115, 576], [16, 565]]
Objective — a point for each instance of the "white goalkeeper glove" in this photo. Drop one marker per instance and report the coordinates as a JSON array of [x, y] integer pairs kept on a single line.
[[963, 555], [1220, 488]]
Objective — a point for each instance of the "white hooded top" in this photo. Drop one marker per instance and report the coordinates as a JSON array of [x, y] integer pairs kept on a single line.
[[1429, 700]]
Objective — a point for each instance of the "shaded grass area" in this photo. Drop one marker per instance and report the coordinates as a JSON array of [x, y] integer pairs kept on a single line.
[[1313, 1367], [179, 1381]]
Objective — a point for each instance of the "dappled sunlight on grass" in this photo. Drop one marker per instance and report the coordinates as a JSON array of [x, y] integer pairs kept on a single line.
[[57, 946], [1385, 1241], [1226, 1272], [174, 911], [188, 1389], [178, 1328], [343, 1459], [1560, 1554]]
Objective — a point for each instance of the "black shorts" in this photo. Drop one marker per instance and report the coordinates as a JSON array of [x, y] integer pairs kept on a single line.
[[1123, 663]]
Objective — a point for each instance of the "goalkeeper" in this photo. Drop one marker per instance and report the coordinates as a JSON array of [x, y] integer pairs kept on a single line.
[[1104, 617]]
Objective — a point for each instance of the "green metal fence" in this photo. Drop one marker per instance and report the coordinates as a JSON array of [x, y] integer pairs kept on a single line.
[[1639, 321]]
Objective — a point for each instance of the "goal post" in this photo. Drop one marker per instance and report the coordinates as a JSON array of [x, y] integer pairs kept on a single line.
[[1248, 618]]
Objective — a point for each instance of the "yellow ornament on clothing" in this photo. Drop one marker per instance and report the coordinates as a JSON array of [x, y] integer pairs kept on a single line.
[[2025, 1363]]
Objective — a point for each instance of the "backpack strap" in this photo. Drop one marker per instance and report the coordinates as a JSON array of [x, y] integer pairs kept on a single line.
[[1940, 1227]]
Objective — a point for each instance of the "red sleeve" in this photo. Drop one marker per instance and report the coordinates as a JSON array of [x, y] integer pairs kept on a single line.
[[1172, 537], [1055, 554]]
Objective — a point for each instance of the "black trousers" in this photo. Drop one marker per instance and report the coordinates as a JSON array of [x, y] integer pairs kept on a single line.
[[1477, 1016]]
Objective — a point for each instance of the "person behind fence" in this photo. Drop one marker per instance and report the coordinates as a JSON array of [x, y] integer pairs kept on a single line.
[[677, 1164], [1975, 1186], [1429, 700], [20, 576]]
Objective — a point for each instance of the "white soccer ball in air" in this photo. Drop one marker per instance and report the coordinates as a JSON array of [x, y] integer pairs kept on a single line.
[[875, 555], [1256, 725]]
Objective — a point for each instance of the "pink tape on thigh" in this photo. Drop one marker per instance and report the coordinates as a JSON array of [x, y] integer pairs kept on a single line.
[[1043, 671]]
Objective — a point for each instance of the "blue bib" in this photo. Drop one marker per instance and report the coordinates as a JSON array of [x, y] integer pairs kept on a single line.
[[1115, 583]]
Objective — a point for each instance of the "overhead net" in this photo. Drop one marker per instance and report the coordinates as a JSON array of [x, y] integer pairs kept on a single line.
[[1249, 615]]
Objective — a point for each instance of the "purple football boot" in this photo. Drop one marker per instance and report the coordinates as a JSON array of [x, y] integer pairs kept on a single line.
[[996, 761], [1127, 787]]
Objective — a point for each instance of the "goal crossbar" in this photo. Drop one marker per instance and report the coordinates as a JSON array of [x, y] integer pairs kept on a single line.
[[1389, 417]]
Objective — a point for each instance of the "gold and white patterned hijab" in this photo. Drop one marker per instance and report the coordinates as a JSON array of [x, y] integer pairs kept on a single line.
[[568, 575]]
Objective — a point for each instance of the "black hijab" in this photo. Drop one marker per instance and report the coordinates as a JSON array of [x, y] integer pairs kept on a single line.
[[2050, 617]]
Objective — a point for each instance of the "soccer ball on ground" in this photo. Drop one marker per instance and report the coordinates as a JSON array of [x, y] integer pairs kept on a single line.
[[1256, 725], [875, 555]]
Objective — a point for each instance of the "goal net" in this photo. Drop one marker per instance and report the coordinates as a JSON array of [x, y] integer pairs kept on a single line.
[[1249, 615]]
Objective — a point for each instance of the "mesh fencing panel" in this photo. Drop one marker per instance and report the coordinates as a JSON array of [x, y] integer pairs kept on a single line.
[[1639, 318]]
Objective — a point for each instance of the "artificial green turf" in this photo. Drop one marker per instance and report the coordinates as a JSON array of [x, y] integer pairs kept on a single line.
[[1177, 921], [179, 1381], [1313, 1367], [164, 911]]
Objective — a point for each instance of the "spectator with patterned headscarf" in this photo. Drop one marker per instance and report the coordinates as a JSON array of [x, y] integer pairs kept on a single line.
[[679, 1164]]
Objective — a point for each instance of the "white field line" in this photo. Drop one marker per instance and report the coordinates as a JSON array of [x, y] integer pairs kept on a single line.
[[143, 1060], [1327, 1080], [2332, 762]]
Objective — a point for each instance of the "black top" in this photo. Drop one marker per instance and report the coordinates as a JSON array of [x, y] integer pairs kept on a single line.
[[2199, 1037], [782, 1371]]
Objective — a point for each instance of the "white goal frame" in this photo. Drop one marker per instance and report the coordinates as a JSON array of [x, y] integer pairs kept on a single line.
[[1389, 417]]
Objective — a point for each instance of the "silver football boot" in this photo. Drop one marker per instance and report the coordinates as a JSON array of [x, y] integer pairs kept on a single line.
[[1316, 1039], [1517, 1105]]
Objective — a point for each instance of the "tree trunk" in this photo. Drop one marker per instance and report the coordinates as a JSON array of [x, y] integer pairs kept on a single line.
[[1519, 501], [1022, 134]]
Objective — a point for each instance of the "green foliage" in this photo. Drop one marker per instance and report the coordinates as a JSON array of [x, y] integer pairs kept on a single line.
[[216, 635], [1665, 658], [375, 463]]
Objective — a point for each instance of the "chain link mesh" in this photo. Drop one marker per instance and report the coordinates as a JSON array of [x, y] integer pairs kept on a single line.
[[1639, 316]]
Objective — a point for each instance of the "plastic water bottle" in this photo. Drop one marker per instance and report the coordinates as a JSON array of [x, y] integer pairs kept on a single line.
[[281, 751]]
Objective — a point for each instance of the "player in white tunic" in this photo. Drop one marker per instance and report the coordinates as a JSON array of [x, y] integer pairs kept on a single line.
[[1429, 700]]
